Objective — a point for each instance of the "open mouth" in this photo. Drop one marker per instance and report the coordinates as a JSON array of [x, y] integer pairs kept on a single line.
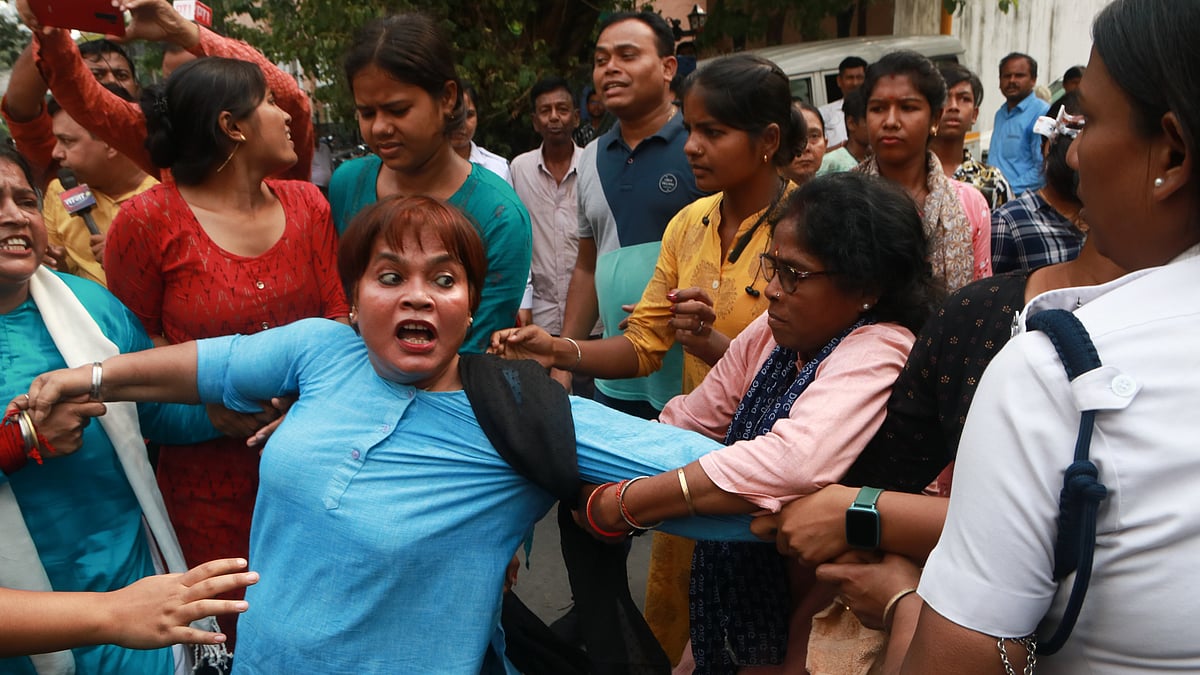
[[16, 244], [416, 333]]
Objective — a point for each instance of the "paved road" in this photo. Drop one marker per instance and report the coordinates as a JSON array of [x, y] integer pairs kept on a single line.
[[543, 585]]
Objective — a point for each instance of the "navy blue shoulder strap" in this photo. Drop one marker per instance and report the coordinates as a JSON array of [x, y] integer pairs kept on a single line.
[[1082, 492]]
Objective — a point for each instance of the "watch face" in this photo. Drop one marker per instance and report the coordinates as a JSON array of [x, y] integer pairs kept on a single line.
[[862, 528]]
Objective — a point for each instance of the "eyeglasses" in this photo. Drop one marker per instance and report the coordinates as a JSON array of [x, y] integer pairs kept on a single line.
[[789, 277]]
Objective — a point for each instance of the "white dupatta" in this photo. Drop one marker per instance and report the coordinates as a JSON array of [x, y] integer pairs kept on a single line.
[[80, 341]]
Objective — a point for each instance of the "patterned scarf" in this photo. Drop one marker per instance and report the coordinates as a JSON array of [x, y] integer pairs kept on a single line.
[[739, 599], [947, 229]]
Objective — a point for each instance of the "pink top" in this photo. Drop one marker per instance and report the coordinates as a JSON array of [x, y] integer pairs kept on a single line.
[[121, 123], [980, 216], [827, 427]]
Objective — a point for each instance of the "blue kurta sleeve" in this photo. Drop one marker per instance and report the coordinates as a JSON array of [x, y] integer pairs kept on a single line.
[[240, 370], [613, 446]]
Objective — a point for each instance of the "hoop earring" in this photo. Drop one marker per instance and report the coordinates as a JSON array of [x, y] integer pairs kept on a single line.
[[227, 159]]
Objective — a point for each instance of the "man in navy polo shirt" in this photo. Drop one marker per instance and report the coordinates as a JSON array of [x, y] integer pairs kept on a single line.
[[632, 180]]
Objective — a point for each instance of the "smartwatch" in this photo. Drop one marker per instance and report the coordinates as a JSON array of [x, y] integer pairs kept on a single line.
[[862, 520]]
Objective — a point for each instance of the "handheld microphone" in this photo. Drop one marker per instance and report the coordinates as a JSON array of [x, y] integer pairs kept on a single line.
[[77, 199]]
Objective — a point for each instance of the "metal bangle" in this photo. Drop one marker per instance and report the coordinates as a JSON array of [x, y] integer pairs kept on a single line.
[[625, 514], [28, 431], [687, 494], [97, 379], [578, 353], [890, 608]]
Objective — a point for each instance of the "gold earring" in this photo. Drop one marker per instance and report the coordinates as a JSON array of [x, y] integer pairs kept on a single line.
[[227, 159], [765, 160]]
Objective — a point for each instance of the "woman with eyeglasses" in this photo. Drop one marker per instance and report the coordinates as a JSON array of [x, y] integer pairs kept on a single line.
[[795, 398]]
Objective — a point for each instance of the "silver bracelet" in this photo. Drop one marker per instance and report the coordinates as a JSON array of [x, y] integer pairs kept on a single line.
[[578, 352], [28, 431], [625, 515], [97, 379]]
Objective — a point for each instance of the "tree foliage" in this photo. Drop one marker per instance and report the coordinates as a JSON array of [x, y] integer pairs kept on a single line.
[[13, 36], [731, 22]]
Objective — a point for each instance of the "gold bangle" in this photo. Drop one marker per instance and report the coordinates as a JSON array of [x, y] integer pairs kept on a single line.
[[890, 607], [578, 353], [687, 494]]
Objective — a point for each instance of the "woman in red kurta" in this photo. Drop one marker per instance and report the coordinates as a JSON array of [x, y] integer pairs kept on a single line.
[[222, 251]]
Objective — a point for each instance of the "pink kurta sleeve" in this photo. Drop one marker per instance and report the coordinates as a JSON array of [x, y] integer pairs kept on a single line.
[[827, 427], [288, 95], [980, 217], [115, 121], [709, 408]]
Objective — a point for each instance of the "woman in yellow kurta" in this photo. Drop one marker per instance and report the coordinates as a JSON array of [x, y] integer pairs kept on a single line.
[[706, 286]]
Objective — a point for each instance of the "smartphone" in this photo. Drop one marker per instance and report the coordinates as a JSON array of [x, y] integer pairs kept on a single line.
[[92, 16]]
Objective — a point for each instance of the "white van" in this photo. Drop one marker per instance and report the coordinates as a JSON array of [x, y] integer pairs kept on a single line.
[[812, 66]]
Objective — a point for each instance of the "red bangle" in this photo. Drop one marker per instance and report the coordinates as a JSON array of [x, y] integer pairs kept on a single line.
[[16, 434], [12, 454], [592, 520]]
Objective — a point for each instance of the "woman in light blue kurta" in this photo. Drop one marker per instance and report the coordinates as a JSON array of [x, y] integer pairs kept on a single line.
[[385, 518]]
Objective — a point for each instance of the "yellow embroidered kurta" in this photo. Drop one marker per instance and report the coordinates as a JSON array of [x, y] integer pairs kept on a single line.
[[691, 256]]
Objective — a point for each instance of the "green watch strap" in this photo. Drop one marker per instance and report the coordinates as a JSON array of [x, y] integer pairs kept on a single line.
[[867, 496]]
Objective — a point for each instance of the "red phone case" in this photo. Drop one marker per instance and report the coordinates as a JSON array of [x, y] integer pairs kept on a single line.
[[93, 16]]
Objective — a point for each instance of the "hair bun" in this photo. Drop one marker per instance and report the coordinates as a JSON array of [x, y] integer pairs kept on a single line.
[[160, 142]]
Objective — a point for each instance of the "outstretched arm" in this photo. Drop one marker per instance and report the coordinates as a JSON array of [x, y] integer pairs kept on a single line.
[[166, 374], [150, 613]]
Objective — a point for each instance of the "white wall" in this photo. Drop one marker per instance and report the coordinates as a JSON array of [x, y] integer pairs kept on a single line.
[[1055, 32]]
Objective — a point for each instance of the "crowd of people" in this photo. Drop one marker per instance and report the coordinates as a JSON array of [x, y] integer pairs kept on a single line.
[[803, 346]]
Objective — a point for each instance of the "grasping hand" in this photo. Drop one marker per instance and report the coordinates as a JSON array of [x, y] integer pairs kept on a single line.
[[240, 425], [867, 587], [693, 319], [628, 309], [63, 426], [283, 405], [97, 245], [528, 342], [157, 21], [55, 258], [813, 528], [156, 611]]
